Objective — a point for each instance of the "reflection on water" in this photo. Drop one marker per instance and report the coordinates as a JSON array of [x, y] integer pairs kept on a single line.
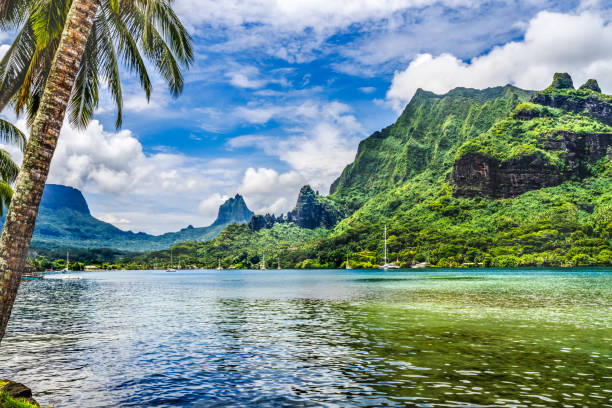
[[312, 338]]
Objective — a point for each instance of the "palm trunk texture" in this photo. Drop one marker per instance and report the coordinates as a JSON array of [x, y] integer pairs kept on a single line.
[[21, 217]]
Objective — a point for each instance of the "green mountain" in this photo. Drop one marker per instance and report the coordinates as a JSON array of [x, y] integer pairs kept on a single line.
[[64, 220], [501, 177]]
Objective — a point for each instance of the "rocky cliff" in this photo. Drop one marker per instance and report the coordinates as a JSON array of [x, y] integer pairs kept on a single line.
[[233, 211], [560, 135], [311, 211], [56, 196]]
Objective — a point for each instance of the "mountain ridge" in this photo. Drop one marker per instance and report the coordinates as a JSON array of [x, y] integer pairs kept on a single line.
[[64, 219], [402, 180]]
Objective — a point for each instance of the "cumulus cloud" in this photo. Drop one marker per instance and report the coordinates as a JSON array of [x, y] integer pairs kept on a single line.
[[553, 42], [152, 192], [267, 191], [210, 205], [323, 139]]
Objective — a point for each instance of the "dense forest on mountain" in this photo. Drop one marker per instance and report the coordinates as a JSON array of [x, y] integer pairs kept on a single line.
[[498, 177]]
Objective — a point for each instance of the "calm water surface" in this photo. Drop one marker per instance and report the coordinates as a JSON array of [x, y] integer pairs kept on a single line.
[[441, 338]]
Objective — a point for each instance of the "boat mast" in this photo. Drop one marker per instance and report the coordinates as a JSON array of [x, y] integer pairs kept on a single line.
[[385, 244]]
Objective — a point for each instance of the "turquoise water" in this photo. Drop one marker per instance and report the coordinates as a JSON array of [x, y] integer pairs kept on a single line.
[[434, 338]]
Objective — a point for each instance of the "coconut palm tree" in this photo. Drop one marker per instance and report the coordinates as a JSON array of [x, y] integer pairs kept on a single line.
[[121, 32], [90, 39]]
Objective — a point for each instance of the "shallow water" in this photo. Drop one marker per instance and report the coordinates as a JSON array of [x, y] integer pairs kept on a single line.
[[435, 338]]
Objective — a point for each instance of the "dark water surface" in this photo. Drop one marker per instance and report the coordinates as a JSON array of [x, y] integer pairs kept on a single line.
[[435, 338]]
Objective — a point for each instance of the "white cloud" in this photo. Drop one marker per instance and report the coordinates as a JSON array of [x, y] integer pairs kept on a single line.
[[296, 15], [554, 42], [3, 49], [152, 192], [267, 191], [367, 89], [249, 77], [322, 140], [210, 205]]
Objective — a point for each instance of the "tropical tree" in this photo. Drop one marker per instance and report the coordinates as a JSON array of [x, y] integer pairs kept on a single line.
[[69, 47]]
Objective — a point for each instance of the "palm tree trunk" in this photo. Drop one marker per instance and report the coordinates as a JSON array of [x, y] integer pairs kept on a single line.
[[21, 217]]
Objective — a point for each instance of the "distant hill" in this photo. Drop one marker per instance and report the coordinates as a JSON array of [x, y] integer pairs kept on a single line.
[[64, 220]]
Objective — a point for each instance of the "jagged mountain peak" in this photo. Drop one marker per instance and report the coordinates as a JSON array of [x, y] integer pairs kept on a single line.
[[57, 196], [233, 210]]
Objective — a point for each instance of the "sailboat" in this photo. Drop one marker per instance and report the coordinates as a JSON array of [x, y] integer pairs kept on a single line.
[[263, 263], [178, 268], [387, 265], [66, 269], [170, 269], [219, 268], [348, 265], [278, 265]]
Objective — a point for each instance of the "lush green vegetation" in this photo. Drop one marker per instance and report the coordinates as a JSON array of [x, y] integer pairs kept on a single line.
[[401, 179], [425, 137], [514, 136], [6, 401]]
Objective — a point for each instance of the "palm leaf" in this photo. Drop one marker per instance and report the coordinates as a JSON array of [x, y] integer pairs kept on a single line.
[[6, 193], [10, 134], [8, 169]]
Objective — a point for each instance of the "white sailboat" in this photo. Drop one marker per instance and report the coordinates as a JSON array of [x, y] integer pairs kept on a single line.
[[387, 265], [67, 268], [278, 265], [219, 268], [348, 265], [70, 276], [263, 263], [171, 269]]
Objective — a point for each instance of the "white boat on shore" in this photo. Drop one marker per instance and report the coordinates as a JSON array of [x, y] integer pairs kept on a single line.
[[170, 269], [386, 265]]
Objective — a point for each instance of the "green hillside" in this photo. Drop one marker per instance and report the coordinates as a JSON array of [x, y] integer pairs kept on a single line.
[[501, 177], [425, 137]]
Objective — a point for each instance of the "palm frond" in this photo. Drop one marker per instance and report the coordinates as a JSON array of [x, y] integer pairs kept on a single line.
[[84, 98], [124, 32], [10, 134], [6, 193], [15, 63], [13, 13], [48, 18], [8, 169]]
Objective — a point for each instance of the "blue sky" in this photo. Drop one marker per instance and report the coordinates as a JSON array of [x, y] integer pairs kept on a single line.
[[281, 93]]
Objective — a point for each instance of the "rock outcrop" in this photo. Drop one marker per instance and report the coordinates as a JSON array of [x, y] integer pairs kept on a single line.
[[537, 147], [17, 391], [475, 174], [591, 104], [311, 211], [592, 85], [478, 175], [259, 222], [57, 196], [233, 211]]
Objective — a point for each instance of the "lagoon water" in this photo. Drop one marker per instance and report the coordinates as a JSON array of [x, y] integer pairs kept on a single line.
[[433, 338]]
